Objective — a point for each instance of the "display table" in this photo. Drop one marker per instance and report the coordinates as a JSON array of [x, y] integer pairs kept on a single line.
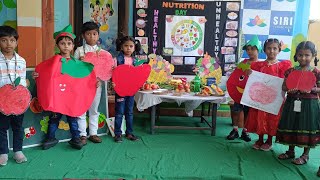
[[147, 99]]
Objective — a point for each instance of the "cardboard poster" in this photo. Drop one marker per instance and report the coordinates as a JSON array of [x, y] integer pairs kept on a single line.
[[263, 92], [185, 34], [183, 28], [105, 14], [110, 123]]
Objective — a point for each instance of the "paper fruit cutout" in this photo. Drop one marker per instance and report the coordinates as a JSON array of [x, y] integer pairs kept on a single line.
[[160, 69], [301, 80], [128, 79], [101, 120], [103, 63], [262, 93], [35, 106], [209, 67], [237, 81], [44, 124], [15, 98], [66, 87], [28, 132], [110, 123], [63, 125]]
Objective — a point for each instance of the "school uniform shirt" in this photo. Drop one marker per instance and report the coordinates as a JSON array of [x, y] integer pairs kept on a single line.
[[80, 51], [9, 68]]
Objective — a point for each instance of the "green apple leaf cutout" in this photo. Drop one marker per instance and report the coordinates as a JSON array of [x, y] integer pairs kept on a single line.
[[243, 66], [139, 62], [83, 69], [10, 4], [17, 81]]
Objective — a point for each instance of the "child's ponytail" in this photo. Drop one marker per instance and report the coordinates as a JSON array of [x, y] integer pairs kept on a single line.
[[316, 60]]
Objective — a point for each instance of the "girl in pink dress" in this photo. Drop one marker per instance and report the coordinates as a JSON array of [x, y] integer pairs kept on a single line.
[[258, 121]]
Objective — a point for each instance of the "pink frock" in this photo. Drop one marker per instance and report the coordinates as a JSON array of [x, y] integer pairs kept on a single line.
[[258, 121]]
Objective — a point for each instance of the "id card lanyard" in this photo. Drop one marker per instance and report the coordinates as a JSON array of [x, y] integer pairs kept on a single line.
[[297, 102], [15, 68]]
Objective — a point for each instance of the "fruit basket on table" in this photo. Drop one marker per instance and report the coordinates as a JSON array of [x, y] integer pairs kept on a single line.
[[212, 90]]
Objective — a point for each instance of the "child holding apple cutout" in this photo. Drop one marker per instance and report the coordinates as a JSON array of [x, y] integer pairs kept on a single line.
[[12, 66], [124, 105], [301, 126], [90, 33], [258, 121]]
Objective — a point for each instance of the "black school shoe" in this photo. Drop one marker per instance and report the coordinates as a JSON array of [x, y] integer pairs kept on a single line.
[[132, 137], [245, 136], [233, 135], [76, 143], [49, 143], [118, 139]]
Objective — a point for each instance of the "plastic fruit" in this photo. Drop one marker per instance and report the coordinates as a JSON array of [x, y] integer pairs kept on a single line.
[[154, 86], [147, 86], [180, 86]]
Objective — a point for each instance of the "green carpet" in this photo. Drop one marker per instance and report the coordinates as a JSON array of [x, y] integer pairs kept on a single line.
[[169, 154]]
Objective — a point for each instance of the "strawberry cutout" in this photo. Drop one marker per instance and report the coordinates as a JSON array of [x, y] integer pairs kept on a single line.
[[237, 81], [103, 63], [301, 80], [15, 99], [128, 79]]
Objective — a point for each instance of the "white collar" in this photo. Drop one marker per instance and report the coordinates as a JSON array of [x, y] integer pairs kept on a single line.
[[91, 47], [14, 55]]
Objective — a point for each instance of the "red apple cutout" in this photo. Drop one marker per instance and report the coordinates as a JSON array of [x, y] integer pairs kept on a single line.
[[301, 80], [262, 93], [65, 86], [129, 79], [15, 99], [103, 63]]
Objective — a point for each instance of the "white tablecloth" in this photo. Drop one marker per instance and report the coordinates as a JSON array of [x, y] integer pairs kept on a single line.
[[146, 99]]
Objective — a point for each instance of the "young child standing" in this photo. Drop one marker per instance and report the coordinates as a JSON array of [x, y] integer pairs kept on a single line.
[[65, 42], [124, 105], [253, 47], [301, 128], [258, 121], [90, 33], [11, 66]]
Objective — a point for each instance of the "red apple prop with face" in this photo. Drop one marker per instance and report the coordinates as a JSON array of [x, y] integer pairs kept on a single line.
[[301, 80], [66, 86], [15, 99], [128, 79], [237, 81]]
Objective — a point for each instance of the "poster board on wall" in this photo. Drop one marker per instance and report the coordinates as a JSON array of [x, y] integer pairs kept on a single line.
[[269, 19], [105, 14], [183, 31], [8, 13]]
